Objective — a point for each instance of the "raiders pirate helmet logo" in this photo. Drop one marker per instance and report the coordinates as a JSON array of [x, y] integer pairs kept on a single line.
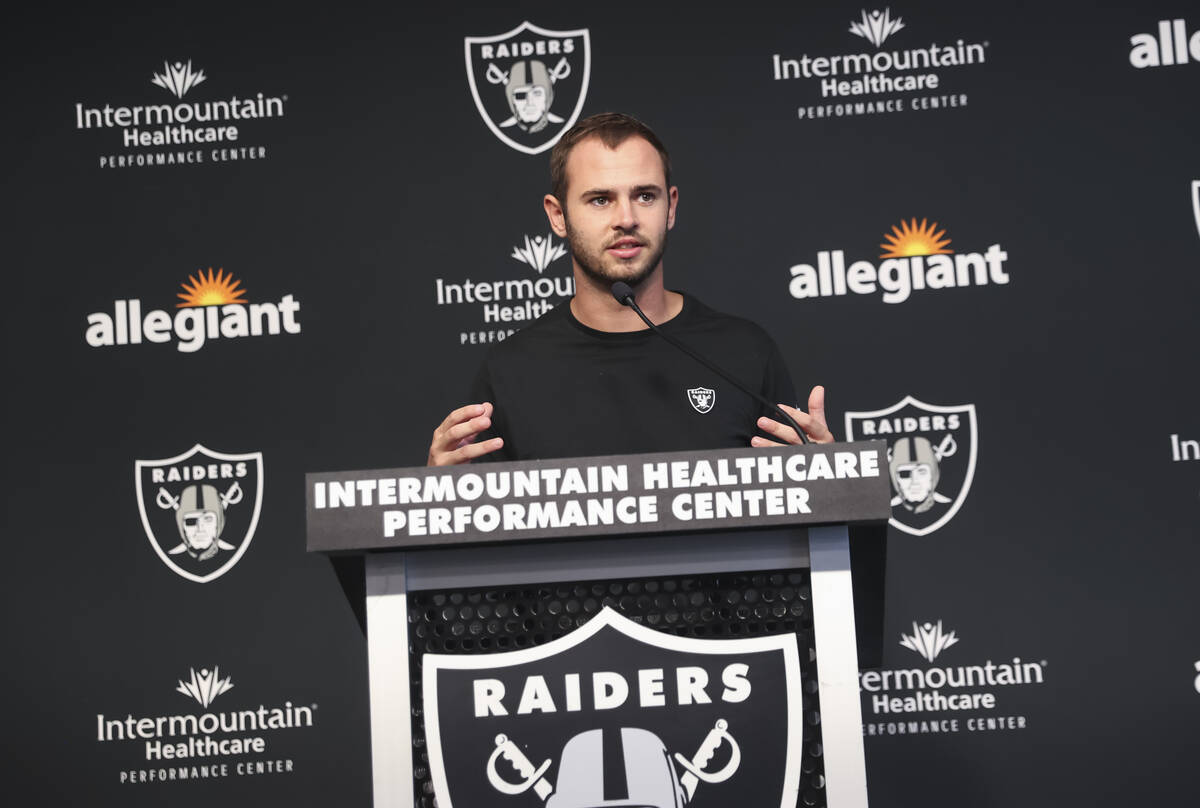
[[200, 509], [931, 458], [529, 84], [616, 714]]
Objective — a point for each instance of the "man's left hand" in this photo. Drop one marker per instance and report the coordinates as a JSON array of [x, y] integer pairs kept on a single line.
[[812, 422]]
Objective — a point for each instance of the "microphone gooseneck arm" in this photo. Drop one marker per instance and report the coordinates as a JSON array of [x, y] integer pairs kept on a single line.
[[624, 295]]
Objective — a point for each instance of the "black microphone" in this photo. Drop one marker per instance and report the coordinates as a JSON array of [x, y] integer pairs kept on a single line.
[[624, 295]]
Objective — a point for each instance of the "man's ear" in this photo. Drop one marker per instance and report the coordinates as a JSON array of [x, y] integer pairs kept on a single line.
[[554, 212], [673, 197]]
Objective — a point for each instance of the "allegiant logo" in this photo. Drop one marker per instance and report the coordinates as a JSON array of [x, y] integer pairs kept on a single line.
[[1171, 46], [916, 257], [212, 306]]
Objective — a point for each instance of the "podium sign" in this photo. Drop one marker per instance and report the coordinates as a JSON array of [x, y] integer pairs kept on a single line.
[[667, 492]]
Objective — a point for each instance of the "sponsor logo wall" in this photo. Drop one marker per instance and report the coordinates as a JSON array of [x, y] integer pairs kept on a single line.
[[932, 212]]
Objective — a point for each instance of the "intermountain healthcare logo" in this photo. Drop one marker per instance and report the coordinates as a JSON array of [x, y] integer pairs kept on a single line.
[[882, 81], [1171, 46], [916, 257], [529, 84], [514, 302], [1183, 449], [931, 458], [211, 306], [185, 132], [944, 698], [200, 509], [179, 747], [615, 713]]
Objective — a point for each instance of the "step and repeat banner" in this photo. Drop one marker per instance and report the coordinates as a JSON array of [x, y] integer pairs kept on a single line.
[[251, 243]]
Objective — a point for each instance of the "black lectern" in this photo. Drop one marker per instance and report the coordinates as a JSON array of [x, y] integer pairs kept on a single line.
[[540, 632]]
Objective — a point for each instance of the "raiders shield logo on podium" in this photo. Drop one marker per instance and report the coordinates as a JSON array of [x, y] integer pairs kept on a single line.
[[615, 713]]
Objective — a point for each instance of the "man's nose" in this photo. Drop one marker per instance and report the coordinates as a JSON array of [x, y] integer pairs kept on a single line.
[[625, 215]]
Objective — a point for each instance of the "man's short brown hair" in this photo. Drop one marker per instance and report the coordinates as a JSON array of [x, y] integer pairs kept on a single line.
[[613, 129]]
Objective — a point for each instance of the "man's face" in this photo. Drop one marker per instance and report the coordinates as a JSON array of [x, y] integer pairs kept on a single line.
[[915, 481], [618, 210], [529, 103], [200, 529]]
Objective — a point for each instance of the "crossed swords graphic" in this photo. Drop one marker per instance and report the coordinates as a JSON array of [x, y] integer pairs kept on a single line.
[[560, 71], [232, 496], [695, 773]]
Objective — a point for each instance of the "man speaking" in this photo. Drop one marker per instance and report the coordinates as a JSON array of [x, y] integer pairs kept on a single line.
[[589, 378]]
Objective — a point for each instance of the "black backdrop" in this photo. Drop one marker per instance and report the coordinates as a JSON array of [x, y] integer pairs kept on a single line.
[[1074, 547]]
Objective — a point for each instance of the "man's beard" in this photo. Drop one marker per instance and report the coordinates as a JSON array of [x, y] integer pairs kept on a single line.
[[593, 266]]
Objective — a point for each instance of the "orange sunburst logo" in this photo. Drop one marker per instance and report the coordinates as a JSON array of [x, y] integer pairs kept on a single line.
[[210, 290], [913, 239]]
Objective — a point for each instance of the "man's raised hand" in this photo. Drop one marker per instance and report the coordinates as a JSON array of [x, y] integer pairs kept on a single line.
[[453, 440], [812, 422]]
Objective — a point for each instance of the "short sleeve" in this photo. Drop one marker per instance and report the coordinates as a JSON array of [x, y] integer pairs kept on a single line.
[[777, 382], [482, 389]]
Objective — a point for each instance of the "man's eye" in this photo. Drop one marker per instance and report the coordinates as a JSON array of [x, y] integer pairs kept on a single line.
[[599, 201], [646, 196]]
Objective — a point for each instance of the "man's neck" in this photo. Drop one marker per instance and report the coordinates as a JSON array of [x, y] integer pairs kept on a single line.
[[595, 307]]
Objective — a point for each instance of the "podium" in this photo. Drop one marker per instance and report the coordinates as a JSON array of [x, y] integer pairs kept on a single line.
[[625, 610]]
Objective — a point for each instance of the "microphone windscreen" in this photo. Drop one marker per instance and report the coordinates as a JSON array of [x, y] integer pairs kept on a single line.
[[622, 292]]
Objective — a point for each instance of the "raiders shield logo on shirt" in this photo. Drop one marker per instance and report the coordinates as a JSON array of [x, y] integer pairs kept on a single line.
[[615, 713], [529, 84], [931, 458], [702, 398], [200, 509]]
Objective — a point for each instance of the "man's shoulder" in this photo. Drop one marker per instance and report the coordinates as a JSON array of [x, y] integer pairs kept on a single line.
[[547, 330], [704, 318]]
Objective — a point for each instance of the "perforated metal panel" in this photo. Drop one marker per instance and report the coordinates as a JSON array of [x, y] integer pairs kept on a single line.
[[495, 619]]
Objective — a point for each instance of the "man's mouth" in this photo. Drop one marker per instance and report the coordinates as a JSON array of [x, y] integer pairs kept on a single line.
[[625, 248]]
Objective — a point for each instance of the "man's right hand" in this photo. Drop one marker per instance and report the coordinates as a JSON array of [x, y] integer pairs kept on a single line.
[[453, 440]]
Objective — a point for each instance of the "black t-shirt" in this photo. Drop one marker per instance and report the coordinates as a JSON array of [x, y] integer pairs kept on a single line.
[[561, 389]]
